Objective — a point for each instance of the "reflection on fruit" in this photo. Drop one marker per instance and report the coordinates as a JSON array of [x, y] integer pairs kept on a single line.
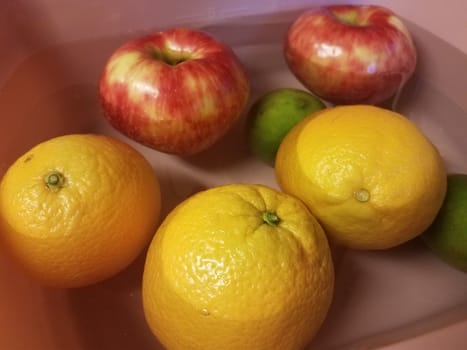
[[447, 236], [238, 267], [350, 54], [369, 175], [78, 209], [273, 115], [177, 91]]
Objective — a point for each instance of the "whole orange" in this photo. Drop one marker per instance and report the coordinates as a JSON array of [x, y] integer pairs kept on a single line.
[[238, 267], [368, 174], [78, 209]]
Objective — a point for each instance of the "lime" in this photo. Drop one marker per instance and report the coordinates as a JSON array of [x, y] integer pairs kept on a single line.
[[447, 236], [273, 115]]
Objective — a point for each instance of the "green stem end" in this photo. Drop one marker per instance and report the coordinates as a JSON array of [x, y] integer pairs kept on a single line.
[[271, 218], [362, 195], [54, 181], [171, 57]]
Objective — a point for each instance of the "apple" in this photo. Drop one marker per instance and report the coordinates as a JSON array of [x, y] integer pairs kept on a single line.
[[350, 54], [273, 115], [177, 91]]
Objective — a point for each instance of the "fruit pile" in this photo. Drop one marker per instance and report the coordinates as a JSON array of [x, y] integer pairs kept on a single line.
[[239, 266]]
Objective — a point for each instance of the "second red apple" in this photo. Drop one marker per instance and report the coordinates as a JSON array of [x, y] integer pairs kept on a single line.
[[350, 54]]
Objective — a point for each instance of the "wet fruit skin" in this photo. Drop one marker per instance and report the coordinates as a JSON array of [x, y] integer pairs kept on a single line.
[[350, 54]]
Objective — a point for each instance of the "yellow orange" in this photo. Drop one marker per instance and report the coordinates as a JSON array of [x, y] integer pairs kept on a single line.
[[238, 267], [77, 209], [368, 174]]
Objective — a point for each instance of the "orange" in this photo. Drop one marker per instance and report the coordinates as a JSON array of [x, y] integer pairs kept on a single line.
[[78, 209], [238, 267], [368, 174]]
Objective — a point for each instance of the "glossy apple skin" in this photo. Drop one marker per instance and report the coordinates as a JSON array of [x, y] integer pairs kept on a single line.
[[350, 54], [176, 91]]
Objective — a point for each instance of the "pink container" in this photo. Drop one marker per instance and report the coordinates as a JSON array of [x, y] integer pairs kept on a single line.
[[52, 54]]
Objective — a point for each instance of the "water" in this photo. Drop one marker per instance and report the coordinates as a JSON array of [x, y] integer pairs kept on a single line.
[[381, 297]]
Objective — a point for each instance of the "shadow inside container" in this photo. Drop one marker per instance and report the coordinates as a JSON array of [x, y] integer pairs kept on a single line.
[[176, 186], [109, 315], [228, 152]]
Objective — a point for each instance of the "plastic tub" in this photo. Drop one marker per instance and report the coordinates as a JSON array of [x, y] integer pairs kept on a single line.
[[52, 56]]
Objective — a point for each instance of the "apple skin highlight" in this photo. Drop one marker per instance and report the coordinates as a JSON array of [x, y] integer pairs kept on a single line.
[[350, 54], [177, 91]]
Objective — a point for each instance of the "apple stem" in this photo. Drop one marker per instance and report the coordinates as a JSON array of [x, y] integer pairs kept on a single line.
[[54, 181], [350, 18], [271, 218], [171, 58]]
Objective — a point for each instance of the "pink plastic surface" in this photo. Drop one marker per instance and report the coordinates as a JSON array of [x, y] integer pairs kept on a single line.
[[52, 53]]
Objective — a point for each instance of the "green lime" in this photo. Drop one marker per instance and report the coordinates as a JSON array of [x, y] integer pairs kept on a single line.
[[447, 236], [273, 115]]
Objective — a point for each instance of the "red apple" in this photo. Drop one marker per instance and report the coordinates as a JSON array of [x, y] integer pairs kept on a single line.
[[350, 54], [177, 91]]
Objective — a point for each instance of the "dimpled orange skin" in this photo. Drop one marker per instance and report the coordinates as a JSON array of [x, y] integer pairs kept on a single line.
[[91, 227], [217, 276], [369, 175]]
